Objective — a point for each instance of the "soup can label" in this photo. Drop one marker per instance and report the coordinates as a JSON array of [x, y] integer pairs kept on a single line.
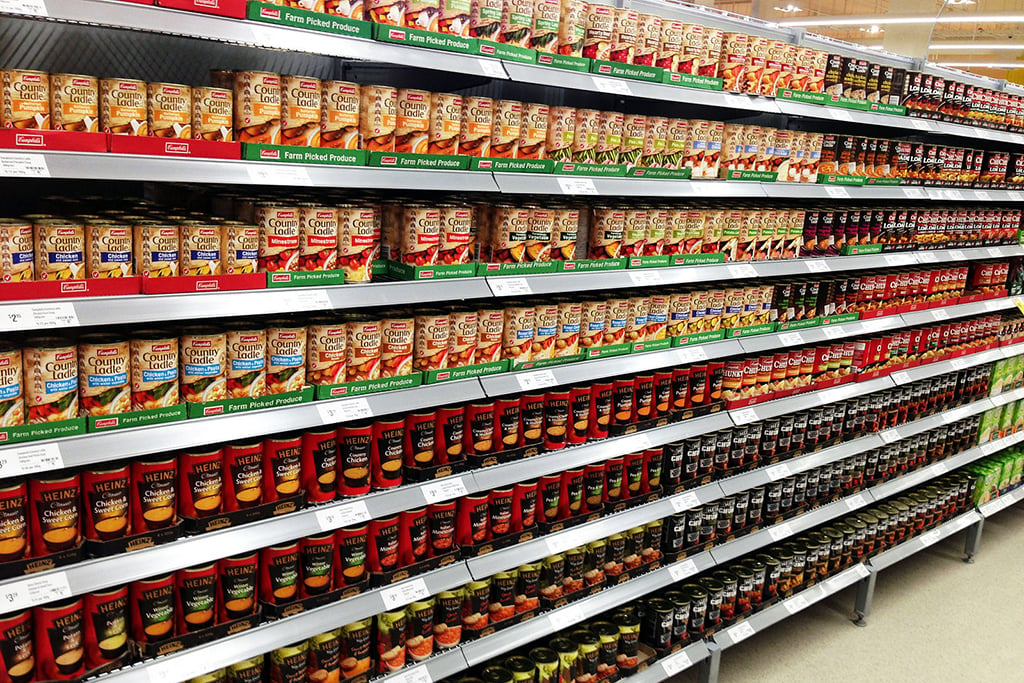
[[279, 238], [352, 550], [106, 626], [108, 250], [154, 504], [106, 512], [319, 465], [318, 238], [490, 328], [103, 377], [300, 111], [238, 579], [152, 603], [14, 516], [203, 361], [449, 434], [382, 545], [431, 342], [316, 564], [201, 483], [154, 372], [18, 656], [286, 358], [282, 467], [52, 394], [157, 250], [246, 363], [243, 476], [201, 249], [59, 640], [197, 597], [363, 349], [279, 573], [123, 109], [75, 102], [326, 355], [339, 115], [60, 250], [17, 252], [56, 516], [240, 248], [479, 428], [387, 453], [354, 446]]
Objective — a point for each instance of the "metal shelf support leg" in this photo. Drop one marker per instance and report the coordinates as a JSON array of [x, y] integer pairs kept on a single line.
[[865, 595], [973, 541], [707, 669]]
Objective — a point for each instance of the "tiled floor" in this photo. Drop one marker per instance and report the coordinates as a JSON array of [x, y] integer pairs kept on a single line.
[[935, 620]]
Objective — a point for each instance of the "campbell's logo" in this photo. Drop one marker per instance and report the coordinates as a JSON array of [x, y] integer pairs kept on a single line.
[[395, 34], [309, 85], [268, 13], [107, 422], [213, 410], [160, 348], [76, 286], [281, 277], [485, 164], [81, 82], [127, 86], [269, 154], [487, 49], [249, 338], [202, 344], [545, 59], [414, 97], [287, 335], [117, 232], [29, 140], [207, 285], [65, 232], [176, 147], [325, 215], [107, 353], [286, 214], [32, 78], [172, 91], [64, 356], [444, 375], [4, 362], [218, 95], [388, 161], [426, 274]]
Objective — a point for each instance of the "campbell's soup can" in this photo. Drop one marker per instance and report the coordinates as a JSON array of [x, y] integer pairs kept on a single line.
[[445, 123], [246, 375], [108, 250], [75, 102], [103, 363], [326, 354], [123, 109], [282, 467], [154, 369], [240, 248], [279, 238], [59, 640], [105, 503], [238, 586], [201, 483], [17, 253], [318, 237], [60, 250], [56, 514], [279, 573], [213, 114], [14, 516], [196, 589], [378, 116], [286, 356], [12, 386], [154, 503], [359, 229], [18, 655], [106, 626], [533, 132], [157, 249], [363, 350], [300, 111], [319, 464], [339, 115], [203, 360], [398, 344], [243, 476], [202, 250], [257, 107], [152, 604], [412, 121], [169, 110]]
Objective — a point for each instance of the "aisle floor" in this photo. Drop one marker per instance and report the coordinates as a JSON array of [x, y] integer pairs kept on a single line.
[[935, 619]]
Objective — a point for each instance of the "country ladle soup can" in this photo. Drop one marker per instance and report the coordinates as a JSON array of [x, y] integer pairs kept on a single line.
[[105, 506], [106, 626], [238, 581], [59, 640], [152, 603]]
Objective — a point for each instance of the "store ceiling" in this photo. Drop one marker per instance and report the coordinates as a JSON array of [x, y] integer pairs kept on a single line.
[[973, 43]]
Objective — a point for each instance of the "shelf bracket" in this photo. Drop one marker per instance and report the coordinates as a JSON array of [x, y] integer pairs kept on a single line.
[[865, 596], [973, 540], [707, 668]]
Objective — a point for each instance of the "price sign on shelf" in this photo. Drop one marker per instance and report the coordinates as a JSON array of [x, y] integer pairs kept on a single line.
[[940, 468], [927, 257], [37, 316], [740, 632], [957, 255], [743, 416], [339, 516], [417, 674], [343, 411], [889, 435], [777, 472], [837, 192], [566, 616], [797, 603], [561, 542], [444, 489], [541, 379], [577, 185], [781, 531], [278, 174], [833, 331], [861, 571], [840, 114], [791, 339], [675, 663], [741, 270], [645, 278], [615, 86], [961, 363], [404, 593], [29, 459], [940, 314], [692, 354], [982, 195], [921, 124], [931, 538], [24, 165], [685, 501], [954, 194], [306, 299], [34, 591], [492, 68], [900, 377], [855, 502], [914, 193], [681, 570], [816, 266], [510, 286]]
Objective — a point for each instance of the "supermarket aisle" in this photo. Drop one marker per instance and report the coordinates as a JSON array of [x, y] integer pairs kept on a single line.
[[935, 619]]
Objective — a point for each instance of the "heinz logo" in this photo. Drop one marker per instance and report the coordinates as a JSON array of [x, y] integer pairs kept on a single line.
[[268, 13], [269, 154], [107, 353], [28, 140], [67, 355], [176, 147]]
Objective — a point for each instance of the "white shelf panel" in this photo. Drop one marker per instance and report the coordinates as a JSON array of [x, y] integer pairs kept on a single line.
[[1001, 503]]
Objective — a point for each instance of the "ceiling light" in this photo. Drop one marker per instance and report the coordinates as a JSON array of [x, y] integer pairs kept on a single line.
[[961, 2], [788, 8], [963, 47], [868, 20], [874, 29], [983, 65]]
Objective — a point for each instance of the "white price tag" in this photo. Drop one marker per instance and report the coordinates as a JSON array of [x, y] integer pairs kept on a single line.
[[818, 266], [24, 166], [673, 664], [332, 412], [29, 459], [921, 124], [781, 531], [34, 591], [992, 507], [492, 68], [33, 7], [566, 616], [642, 441], [693, 354], [307, 299], [404, 593], [931, 538], [743, 416], [914, 193], [744, 270], [577, 185], [986, 448], [900, 259], [927, 257], [540, 379], [444, 489], [995, 252], [510, 286], [961, 363], [615, 86], [890, 435], [861, 571], [956, 414], [561, 542], [900, 377], [682, 570], [740, 632], [791, 339], [955, 195], [685, 501], [965, 522], [957, 255], [339, 516], [940, 468], [37, 316], [279, 174], [417, 674], [645, 278], [795, 604], [833, 331], [940, 314], [837, 192], [840, 114], [855, 502], [982, 195], [777, 472]]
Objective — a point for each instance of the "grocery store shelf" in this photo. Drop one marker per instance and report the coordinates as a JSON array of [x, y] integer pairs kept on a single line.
[[763, 411], [1005, 397], [961, 363], [438, 668], [915, 545], [677, 662], [266, 637], [1001, 503], [786, 608], [96, 447], [932, 421]]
